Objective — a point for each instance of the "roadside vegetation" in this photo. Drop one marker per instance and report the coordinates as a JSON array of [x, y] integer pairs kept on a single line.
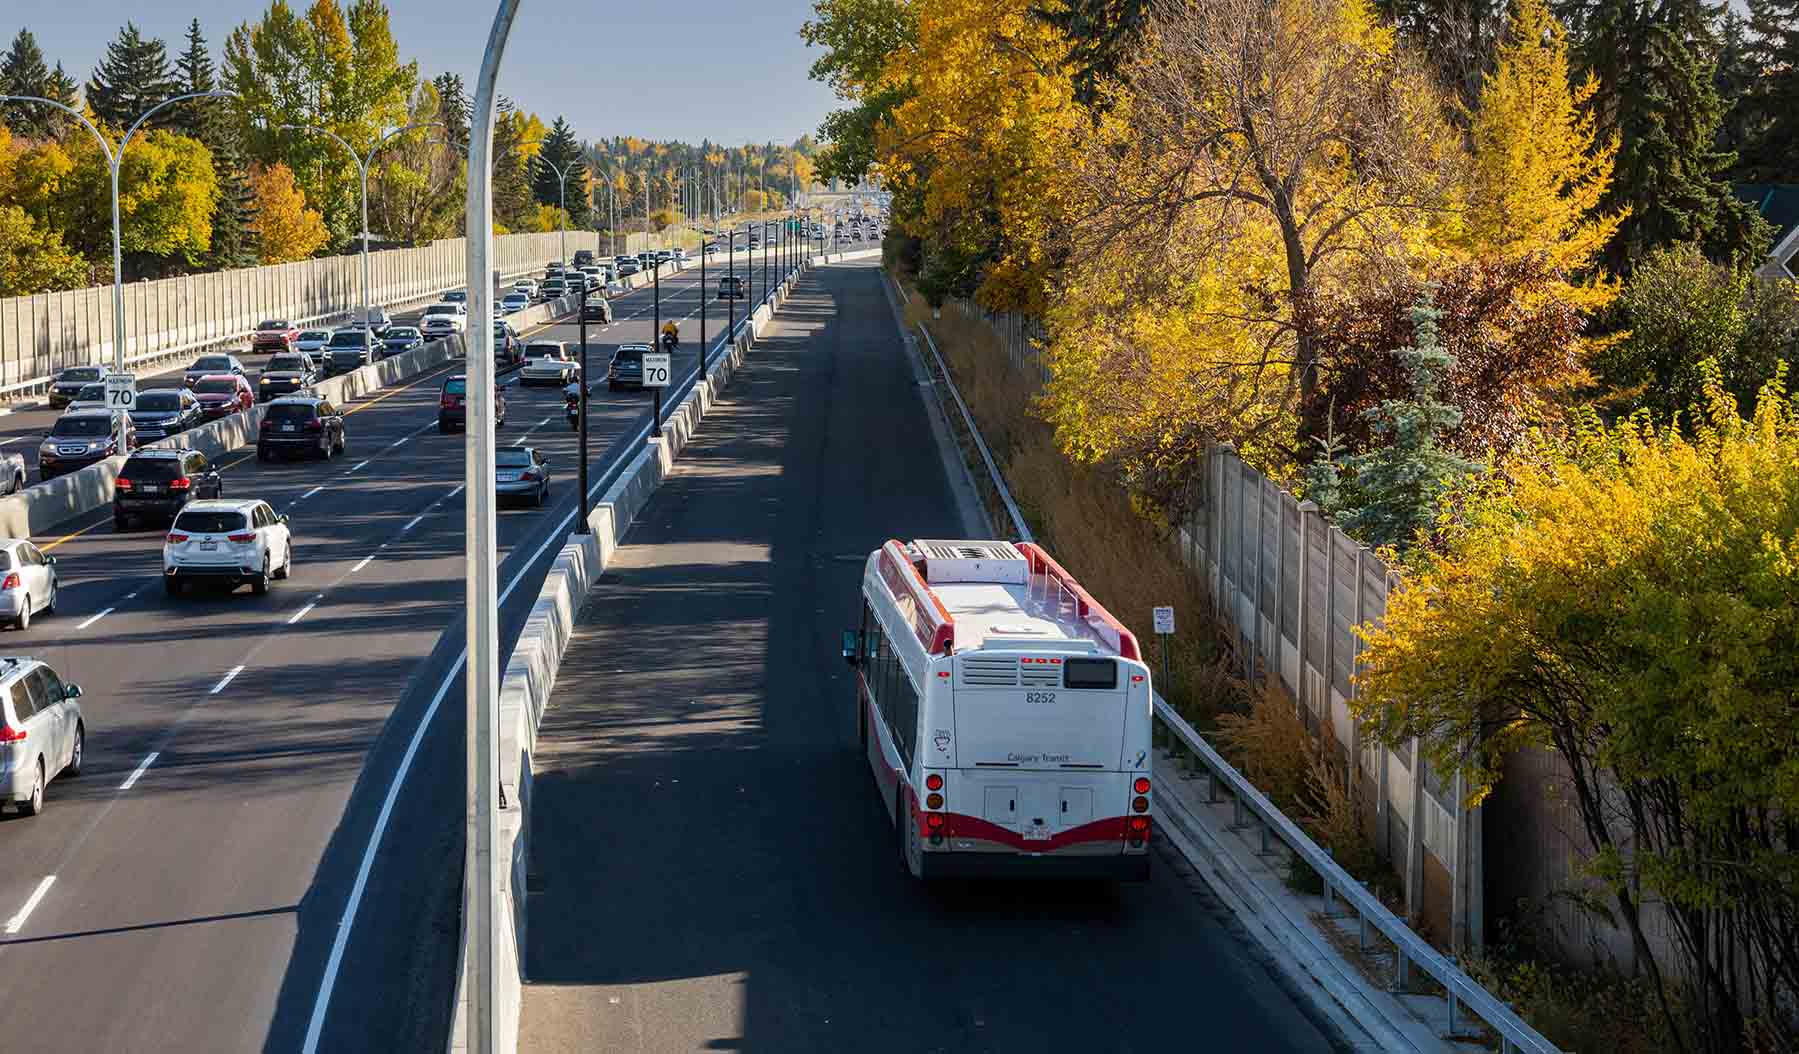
[[1481, 281]]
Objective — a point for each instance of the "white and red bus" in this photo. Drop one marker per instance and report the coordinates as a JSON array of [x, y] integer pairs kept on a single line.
[[1004, 712]]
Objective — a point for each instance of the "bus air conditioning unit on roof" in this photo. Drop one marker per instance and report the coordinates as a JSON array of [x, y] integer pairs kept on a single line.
[[974, 561]]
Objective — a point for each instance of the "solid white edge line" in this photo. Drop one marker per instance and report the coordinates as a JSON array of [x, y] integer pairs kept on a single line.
[[95, 618], [17, 922], [347, 921], [225, 680], [300, 614], [142, 766]]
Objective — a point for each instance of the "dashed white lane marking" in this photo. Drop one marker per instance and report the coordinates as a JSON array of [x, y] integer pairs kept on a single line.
[[309, 493], [413, 523], [300, 614], [363, 564], [137, 773], [225, 680], [359, 464], [95, 618], [17, 922]]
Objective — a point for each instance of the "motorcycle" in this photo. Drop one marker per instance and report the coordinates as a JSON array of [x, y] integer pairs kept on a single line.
[[573, 405], [669, 340]]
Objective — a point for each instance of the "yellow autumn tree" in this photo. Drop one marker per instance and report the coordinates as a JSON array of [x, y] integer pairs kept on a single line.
[[1540, 169], [986, 133], [285, 228]]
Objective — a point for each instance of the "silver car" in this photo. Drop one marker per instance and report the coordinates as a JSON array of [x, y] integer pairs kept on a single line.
[[521, 472], [27, 582], [41, 731]]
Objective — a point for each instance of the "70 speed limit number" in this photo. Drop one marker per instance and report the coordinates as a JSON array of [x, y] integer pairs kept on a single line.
[[656, 369]]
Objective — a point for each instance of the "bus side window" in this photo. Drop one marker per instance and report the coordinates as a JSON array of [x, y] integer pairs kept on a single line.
[[905, 713]]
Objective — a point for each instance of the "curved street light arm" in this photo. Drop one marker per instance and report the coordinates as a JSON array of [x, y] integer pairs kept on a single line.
[[105, 147], [145, 116]]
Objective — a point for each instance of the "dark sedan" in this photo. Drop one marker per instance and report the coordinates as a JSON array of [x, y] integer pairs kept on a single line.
[[223, 394], [77, 440], [68, 382], [162, 412], [285, 375], [206, 365], [399, 339]]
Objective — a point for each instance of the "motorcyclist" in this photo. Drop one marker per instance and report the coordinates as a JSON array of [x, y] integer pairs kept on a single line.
[[671, 334], [571, 399]]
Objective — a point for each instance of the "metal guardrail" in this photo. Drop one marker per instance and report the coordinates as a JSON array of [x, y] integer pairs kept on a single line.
[[1460, 990]]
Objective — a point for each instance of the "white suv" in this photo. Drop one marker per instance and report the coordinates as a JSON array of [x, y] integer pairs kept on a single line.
[[445, 318], [229, 542], [41, 732]]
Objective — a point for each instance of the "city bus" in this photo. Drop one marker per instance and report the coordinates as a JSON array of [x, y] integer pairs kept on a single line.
[[1005, 714]]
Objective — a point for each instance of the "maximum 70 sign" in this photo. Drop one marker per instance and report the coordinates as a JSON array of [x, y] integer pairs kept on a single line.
[[655, 369], [121, 391]]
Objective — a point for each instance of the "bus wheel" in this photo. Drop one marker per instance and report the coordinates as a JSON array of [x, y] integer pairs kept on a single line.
[[911, 852]]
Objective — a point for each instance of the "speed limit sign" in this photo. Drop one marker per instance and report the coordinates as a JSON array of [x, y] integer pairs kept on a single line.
[[655, 369], [121, 391]]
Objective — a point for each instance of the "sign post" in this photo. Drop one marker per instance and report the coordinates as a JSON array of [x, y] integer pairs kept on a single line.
[[655, 375], [1164, 629]]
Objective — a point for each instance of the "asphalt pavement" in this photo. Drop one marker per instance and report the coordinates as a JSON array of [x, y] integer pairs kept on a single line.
[[711, 868], [240, 748]]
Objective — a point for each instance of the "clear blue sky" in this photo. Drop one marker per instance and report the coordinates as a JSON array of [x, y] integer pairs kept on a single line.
[[731, 71]]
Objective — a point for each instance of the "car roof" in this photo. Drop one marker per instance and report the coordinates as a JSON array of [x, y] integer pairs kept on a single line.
[[217, 355], [221, 505], [635, 347], [297, 400], [217, 377], [88, 413], [162, 453]]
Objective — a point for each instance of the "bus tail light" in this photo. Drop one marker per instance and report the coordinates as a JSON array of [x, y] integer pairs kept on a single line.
[[933, 801], [934, 781], [1142, 785], [1139, 830], [1139, 804], [934, 822]]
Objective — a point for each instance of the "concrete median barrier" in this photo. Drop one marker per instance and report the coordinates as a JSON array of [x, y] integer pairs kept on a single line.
[[530, 674]]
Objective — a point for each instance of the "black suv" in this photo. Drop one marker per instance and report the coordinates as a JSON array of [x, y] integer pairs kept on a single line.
[[286, 374], [583, 258], [301, 424], [159, 482], [730, 287], [162, 412], [452, 405]]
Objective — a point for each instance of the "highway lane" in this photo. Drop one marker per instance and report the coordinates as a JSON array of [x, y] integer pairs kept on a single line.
[[203, 869], [711, 868]]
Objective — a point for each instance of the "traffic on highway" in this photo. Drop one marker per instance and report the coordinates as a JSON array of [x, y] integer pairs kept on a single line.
[[217, 655]]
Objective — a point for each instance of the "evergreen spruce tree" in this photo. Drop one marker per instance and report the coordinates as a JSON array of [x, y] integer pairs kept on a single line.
[[457, 109], [1656, 66], [23, 72], [512, 200], [133, 77], [234, 241], [563, 150], [1736, 75], [1392, 491], [1771, 147]]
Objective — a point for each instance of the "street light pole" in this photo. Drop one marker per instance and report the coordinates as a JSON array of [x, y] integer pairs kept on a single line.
[[363, 161], [113, 158], [481, 868]]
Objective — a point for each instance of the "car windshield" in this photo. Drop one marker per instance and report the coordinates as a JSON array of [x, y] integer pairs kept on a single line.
[[512, 457], [402, 333], [158, 401], [629, 355], [546, 351], [198, 521], [151, 469], [351, 338], [272, 324], [219, 385], [290, 412], [82, 373], [456, 387], [315, 334], [285, 364], [440, 309], [82, 426], [93, 392], [213, 362], [6, 563]]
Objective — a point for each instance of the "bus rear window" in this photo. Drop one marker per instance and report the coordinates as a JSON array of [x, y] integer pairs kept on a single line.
[[1090, 673]]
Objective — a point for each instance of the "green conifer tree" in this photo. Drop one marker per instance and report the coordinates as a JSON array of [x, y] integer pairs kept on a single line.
[[133, 77]]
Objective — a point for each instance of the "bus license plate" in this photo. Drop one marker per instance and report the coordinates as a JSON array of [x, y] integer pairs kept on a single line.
[[1036, 832]]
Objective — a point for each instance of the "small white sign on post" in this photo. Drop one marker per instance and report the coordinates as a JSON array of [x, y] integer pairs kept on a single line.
[[121, 391], [655, 369], [1164, 620]]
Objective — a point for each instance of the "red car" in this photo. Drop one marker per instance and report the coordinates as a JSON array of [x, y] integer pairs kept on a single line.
[[223, 394], [274, 335]]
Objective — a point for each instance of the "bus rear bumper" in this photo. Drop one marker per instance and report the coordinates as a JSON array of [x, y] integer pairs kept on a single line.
[[1111, 867]]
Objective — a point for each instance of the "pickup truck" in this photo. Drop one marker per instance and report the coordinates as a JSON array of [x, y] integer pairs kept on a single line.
[[273, 336], [350, 348]]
